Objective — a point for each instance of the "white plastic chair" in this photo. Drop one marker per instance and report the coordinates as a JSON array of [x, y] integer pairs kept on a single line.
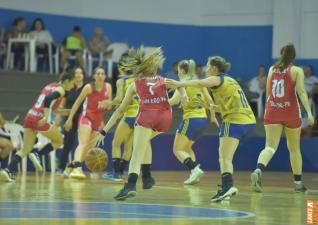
[[50, 57], [118, 49], [91, 60], [72, 57], [15, 130]]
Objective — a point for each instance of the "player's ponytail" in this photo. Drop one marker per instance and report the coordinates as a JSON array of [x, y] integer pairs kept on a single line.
[[184, 65], [287, 56], [192, 67], [142, 64]]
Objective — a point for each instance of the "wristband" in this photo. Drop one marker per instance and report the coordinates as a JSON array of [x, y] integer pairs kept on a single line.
[[103, 133]]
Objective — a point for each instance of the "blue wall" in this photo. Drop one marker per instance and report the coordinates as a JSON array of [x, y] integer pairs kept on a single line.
[[245, 47]]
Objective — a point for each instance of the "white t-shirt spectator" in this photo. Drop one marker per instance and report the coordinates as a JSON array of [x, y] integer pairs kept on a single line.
[[42, 36], [310, 82], [254, 86]]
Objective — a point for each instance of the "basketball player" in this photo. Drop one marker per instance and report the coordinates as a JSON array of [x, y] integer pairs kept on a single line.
[[194, 121], [238, 118], [282, 112], [96, 94], [6, 146], [154, 114], [36, 121], [69, 136], [125, 128]]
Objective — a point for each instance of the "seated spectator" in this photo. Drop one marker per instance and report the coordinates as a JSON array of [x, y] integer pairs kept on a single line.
[[42, 36], [311, 86], [257, 84], [6, 146], [17, 30], [256, 87], [73, 45], [98, 43], [311, 81]]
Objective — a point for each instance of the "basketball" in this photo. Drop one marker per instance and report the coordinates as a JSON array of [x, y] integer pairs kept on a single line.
[[96, 160]]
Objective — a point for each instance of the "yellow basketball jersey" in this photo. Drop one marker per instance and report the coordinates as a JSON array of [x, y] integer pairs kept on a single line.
[[192, 109], [132, 109], [232, 101]]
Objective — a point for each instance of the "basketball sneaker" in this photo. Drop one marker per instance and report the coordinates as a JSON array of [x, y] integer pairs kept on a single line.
[[36, 161], [300, 188], [148, 182], [113, 176], [77, 173], [195, 176], [256, 182], [68, 170], [224, 194], [129, 190], [6, 175]]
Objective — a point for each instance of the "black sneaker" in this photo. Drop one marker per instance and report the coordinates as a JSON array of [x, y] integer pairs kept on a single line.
[[6, 175], [300, 188], [148, 182], [256, 182], [128, 191], [224, 194]]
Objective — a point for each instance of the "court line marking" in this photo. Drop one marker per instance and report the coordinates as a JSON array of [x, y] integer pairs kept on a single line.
[[247, 214], [264, 194]]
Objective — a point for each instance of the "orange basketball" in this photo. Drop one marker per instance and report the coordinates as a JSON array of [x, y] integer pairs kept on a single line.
[[96, 160]]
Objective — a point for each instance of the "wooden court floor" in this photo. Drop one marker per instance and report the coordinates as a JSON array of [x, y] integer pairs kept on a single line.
[[50, 199]]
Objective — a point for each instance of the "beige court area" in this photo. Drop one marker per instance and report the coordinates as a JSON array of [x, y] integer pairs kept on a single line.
[[50, 199]]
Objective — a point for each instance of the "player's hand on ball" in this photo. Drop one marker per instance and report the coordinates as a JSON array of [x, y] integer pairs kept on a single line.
[[100, 138]]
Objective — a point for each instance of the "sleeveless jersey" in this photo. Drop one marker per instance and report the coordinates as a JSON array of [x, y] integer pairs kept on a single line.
[[37, 109], [152, 93], [282, 102], [192, 110], [132, 109], [90, 105], [232, 101]]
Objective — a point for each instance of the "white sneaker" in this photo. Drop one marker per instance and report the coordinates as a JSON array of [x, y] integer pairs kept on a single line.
[[68, 170], [35, 159], [195, 176], [77, 173], [6, 176]]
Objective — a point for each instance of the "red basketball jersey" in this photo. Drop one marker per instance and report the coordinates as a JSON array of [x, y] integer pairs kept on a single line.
[[38, 107], [90, 106], [282, 103], [152, 93]]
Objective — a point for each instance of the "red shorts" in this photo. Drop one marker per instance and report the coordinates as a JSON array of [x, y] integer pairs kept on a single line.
[[31, 122], [289, 123], [158, 120], [93, 124]]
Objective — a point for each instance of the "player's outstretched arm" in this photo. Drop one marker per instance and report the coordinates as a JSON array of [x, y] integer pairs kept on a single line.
[[301, 91], [121, 109]]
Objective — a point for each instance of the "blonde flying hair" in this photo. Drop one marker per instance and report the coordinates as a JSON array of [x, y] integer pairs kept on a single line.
[[143, 65]]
